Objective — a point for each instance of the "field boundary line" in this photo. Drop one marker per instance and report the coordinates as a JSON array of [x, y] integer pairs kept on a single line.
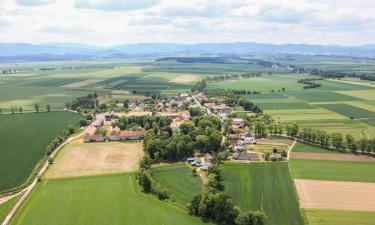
[[31, 187]]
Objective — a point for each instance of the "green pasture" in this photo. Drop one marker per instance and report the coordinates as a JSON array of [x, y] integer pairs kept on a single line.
[[339, 217], [24, 138], [352, 111], [321, 96], [5, 207], [301, 147], [263, 186], [282, 106], [262, 84], [178, 179], [332, 170], [98, 200]]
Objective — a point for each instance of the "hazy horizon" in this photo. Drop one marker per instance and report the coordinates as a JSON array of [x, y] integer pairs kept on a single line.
[[106, 23]]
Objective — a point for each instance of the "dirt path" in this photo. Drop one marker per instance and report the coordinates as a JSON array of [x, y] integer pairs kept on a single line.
[[290, 149]]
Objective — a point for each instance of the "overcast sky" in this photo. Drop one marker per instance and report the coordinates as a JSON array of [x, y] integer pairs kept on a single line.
[[113, 22]]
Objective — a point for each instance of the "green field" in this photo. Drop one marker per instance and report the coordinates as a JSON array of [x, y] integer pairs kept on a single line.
[[5, 207], [266, 186], [24, 138], [301, 147], [180, 182], [98, 200], [339, 217], [282, 106], [321, 96], [332, 170], [351, 111]]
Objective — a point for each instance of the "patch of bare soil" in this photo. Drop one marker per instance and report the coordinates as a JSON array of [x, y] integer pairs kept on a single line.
[[83, 159], [331, 156], [184, 79], [82, 83], [336, 195]]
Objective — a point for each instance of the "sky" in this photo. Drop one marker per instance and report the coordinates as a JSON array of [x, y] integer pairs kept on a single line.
[[115, 22]]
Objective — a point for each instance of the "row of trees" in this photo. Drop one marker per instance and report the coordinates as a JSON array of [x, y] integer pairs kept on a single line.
[[19, 109], [213, 204], [147, 182], [58, 140], [309, 83], [147, 122], [89, 101]]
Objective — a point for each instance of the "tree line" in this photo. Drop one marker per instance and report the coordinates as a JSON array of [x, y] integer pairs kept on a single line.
[[211, 203], [309, 83]]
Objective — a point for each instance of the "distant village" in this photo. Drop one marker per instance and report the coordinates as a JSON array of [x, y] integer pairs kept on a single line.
[[239, 137]]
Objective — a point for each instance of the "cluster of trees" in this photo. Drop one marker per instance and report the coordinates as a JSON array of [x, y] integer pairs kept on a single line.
[[232, 99], [231, 76], [220, 92], [200, 86], [331, 74], [147, 122], [203, 135], [89, 101], [59, 139], [213, 204], [309, 83], [145, 179]]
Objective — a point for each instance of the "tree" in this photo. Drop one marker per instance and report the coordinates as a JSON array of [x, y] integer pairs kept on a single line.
[[12, 109], [349, 141], [48, 107], [337, 140], [20, 109], [251, 218], [36, 107], [283, 89]]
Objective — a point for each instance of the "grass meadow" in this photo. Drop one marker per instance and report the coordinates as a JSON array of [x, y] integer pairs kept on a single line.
[[24, 138], [5, 207], [339, 217], [98, 200], [301, 147], [179, 181], [263, 186], [332, 170]]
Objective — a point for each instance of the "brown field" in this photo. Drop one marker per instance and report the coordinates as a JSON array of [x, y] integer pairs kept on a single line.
[[267, 144], [331, 156], [336, 195], [82, 83], [184, 79], [80, 159], [120, 92]]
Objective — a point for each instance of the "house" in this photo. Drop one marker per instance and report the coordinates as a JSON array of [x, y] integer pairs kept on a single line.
[[132, 135], [120, 105], [248, 138], [234, 136], [115, 134], [176, 123], [237, 121], [210, 104], [98, 122], [191, 159], [91, 136], [223, 115], [205, 166], [109, 115], [208, 158], [251, 156], [276, 156]]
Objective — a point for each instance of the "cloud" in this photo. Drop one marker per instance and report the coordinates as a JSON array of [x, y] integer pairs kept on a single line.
[[34, 2], [115, 5]]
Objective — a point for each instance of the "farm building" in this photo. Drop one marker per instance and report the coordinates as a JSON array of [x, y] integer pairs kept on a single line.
[[116, 134], [208, 158], [120, 105], [109, 116], [98, 122], [91, 136], [252, 156]]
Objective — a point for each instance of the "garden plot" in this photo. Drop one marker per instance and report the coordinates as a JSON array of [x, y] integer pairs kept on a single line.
[[82, 159], [336, 195]]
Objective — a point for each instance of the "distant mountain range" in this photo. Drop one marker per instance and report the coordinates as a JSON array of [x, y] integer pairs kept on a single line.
[[61, 51]]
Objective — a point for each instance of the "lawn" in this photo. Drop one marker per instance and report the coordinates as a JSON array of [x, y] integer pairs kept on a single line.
[[332, 170], [5, 207], [352, 111], [301, 147], [99, 200], [266, 186], [179, 181], [24, 138], [339, 217]]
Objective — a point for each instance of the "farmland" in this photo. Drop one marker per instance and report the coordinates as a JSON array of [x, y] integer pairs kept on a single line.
[[352, 112], [179, 181], [263, 186], [24, 138], [338, 217], [301, 147], [332, 170], [6, 206], [100, 200]]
